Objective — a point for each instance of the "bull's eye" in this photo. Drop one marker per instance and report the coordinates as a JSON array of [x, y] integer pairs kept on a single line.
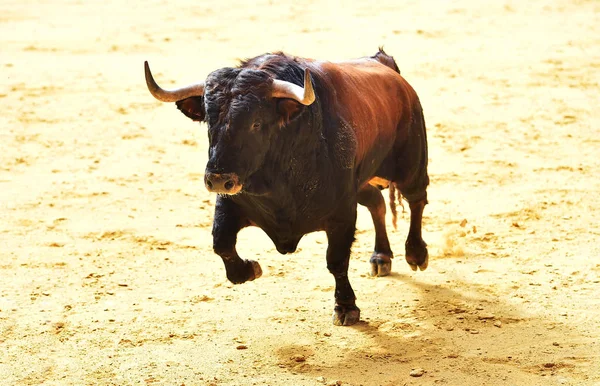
[[256, 125]]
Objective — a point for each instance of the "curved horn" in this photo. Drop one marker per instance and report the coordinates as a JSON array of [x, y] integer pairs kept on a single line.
[[304, 95], [171, 95]]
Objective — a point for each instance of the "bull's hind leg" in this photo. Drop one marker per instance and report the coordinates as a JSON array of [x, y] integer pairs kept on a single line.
[[412, 182], [416, 248], [381, 260]]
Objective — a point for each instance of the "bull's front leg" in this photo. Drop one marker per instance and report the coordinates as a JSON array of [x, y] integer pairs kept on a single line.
[[340, 236], [227, 223]]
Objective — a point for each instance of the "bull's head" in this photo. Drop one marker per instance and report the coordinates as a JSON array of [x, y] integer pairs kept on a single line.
[[244, 109]]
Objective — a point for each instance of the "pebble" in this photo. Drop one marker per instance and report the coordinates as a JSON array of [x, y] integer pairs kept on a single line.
[[486, 315], [321, 379], [327, 334], [450, 328], [334, 383], [474, 331], [555, 344], [417, 372], [299, 358], [242, 347], [498, 323]]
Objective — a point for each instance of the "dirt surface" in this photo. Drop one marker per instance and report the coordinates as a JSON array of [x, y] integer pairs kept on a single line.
[[107, 272]]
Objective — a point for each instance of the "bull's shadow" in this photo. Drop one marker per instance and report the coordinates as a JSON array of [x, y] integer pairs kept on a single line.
[[427, 328]]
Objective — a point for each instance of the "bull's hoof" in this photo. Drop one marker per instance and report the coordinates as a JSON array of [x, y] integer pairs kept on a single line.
[[417, 256], [257, 271], [381, 264], [422, 266], [249, 271], [345, 315]]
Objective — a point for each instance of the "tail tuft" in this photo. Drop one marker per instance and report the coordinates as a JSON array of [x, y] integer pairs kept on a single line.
[[393, 205], [393, 199]]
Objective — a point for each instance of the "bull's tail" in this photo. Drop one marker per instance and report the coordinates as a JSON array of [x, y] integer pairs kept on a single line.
[[393, 198], [386, 59]]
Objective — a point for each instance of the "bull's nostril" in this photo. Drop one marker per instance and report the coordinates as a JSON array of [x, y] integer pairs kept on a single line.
[[229, 185], [209, 184]]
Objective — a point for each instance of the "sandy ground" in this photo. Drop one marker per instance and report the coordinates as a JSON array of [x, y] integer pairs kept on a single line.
[[107, 272]]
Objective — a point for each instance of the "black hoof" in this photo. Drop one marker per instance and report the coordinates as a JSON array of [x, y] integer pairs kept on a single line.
[[417, 256], [381, 264], [249, 271], [345, 315], [256, 269]]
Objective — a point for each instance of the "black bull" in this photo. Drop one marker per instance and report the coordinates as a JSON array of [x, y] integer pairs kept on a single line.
[[296, 143]]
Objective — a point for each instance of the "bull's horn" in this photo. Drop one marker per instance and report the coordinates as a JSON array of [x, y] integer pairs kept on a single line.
[[171, 95], [304, 95]]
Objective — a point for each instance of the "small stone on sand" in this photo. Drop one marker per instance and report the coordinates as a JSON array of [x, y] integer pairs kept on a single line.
[[299, 358]]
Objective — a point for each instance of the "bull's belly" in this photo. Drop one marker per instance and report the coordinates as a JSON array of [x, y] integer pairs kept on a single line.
[[379, 172]]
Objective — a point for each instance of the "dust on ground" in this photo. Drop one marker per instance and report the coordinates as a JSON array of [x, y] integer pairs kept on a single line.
[[108, 276]]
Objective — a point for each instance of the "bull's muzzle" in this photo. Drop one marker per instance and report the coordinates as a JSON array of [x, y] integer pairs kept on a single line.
[[228, 183]]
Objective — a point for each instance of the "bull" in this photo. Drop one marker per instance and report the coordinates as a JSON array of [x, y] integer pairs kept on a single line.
[[295, 144]]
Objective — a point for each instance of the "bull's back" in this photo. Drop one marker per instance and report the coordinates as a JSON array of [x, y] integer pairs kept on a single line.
[[375, 101]]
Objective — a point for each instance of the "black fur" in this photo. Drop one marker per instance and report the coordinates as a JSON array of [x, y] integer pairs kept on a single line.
[[296, 165]]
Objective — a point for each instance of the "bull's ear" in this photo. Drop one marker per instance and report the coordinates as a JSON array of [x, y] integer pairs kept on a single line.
[[289, 110], [192, 108]]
